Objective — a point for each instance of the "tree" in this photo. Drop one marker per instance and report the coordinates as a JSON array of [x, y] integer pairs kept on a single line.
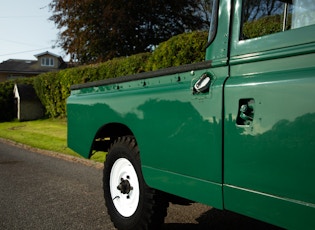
[[98, 30]]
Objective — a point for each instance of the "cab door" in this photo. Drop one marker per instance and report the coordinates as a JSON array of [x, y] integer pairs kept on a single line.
[[269, 115], [180, 130]]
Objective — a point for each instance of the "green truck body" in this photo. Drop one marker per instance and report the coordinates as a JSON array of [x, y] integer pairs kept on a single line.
[[235, 132]]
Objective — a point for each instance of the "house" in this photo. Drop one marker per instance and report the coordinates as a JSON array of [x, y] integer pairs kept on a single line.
[[46, 62], [28, 105]]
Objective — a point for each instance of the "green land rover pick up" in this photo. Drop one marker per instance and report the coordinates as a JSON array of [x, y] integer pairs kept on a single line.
[[236, 132]]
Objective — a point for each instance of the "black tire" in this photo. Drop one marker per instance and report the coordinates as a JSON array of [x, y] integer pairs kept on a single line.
[[131, 204]]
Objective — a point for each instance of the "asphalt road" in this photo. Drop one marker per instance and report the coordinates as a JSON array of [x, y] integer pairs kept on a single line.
[[45, 191]]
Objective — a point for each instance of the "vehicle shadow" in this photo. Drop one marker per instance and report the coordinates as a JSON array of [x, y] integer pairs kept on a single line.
[[217, 219]]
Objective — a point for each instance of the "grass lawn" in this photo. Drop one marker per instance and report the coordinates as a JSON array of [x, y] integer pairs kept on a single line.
[[49, 134]]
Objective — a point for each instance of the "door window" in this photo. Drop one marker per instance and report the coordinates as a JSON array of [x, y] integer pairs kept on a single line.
[[260, 18]]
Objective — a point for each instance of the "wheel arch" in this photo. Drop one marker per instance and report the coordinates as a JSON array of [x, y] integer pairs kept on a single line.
[[107, 134]]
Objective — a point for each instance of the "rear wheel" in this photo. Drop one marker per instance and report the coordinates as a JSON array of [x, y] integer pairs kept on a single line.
[[131, 204]]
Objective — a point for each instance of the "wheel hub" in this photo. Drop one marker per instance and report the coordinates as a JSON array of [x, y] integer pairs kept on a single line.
[[124, 187]]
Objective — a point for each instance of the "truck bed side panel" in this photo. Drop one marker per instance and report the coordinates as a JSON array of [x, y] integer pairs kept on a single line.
[[179, 133]]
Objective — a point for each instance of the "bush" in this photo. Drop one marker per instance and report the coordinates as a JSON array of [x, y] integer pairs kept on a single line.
[[6, 101], [48, 89], [53, 88], [179, 50], [123, 66]]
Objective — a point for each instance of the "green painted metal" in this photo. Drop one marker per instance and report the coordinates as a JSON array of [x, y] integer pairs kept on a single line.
[[269, 161], [179, 133], [174, 128], [247, 145], [198, 190], [217, 52], [281, 211]]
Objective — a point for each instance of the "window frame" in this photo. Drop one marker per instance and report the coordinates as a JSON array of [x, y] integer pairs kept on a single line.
[[267, 46], [47, 61], [214, 22]]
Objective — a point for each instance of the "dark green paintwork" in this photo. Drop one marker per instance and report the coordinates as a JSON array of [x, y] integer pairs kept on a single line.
[[193, 145], [269, 164], [187, 125]]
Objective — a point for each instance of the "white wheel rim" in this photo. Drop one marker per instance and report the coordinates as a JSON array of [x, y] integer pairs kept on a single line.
[[125, 203]]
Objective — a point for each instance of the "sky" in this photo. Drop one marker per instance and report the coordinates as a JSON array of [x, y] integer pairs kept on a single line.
[[26, 31]]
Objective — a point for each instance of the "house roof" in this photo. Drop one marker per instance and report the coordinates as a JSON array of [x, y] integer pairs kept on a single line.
[[20, 66], [47, 53], [17, 66], [63, 64]]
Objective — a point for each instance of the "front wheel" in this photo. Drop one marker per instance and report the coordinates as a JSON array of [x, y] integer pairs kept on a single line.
[[131, 204]]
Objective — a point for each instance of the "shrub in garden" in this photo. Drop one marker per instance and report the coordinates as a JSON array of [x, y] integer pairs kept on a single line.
[[179, 50], [53, 88], [6, 101]]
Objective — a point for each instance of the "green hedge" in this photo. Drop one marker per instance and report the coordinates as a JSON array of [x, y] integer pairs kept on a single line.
[[179, 50], [53, 88], [6, 101]]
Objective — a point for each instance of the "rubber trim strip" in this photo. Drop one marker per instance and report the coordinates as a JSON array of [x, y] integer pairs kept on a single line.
[[146, 75]]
